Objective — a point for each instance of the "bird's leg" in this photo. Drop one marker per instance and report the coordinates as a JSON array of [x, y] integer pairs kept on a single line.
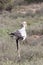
[[18, 48]]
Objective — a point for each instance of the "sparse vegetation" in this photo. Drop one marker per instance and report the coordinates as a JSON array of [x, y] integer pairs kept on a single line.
[[6, 4], [32, 47], [34, 1]]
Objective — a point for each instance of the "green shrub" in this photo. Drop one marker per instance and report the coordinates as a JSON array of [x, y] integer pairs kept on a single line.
[[30, 1], [4, 4]]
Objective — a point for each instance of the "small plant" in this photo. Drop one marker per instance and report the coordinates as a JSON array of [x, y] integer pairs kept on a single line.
[[4, 4]]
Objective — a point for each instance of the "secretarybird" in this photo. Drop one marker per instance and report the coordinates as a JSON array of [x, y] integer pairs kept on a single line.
[[20, 35]]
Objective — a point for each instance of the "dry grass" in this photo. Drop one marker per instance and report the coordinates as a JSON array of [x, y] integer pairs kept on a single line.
[[31, 49]]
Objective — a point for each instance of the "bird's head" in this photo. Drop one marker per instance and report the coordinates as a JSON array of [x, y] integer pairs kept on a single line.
[[24, 24]]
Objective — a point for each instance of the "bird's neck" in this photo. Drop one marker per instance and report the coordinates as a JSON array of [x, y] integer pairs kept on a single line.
[[24, 27]]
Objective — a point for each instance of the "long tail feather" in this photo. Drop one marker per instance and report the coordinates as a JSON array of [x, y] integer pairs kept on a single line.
[[11, 34]]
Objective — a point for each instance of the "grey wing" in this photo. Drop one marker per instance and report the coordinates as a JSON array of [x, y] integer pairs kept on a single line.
[[17, 33]]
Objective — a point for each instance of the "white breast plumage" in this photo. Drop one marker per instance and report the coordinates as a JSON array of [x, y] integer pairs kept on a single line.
[[23, 33]]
